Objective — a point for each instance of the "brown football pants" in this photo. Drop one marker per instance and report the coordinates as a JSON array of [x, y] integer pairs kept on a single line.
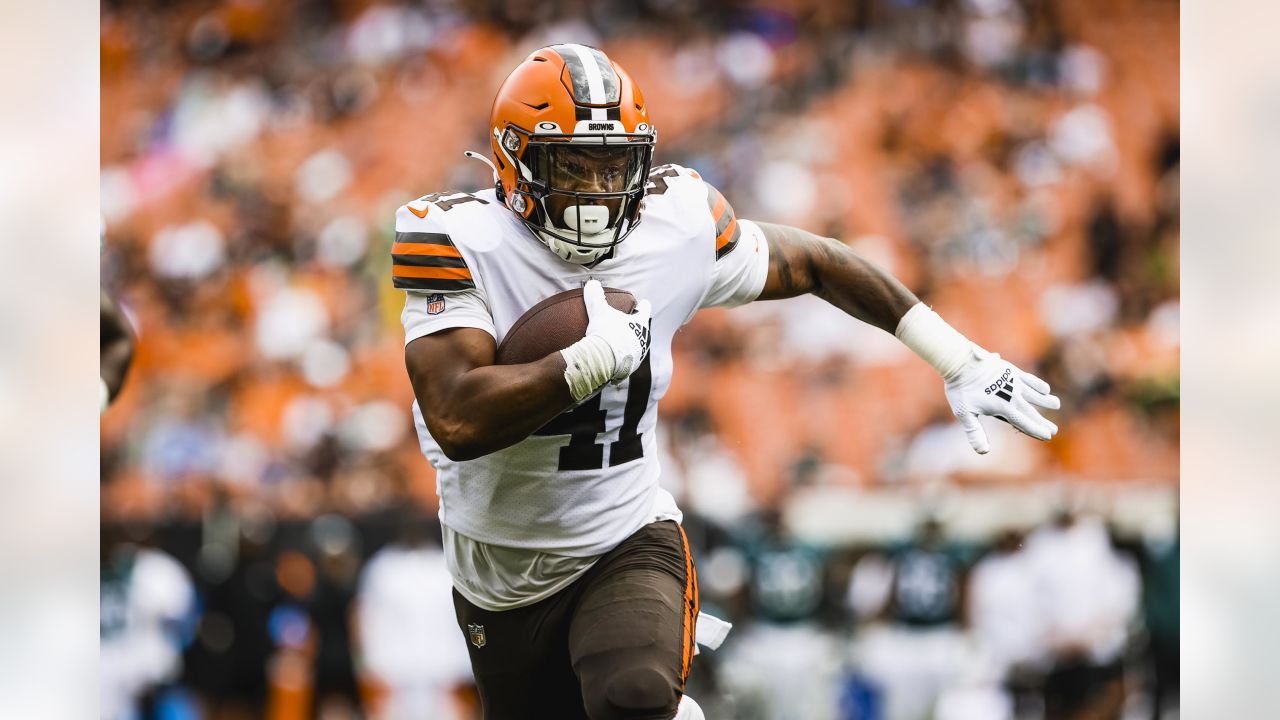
[[615, 645]]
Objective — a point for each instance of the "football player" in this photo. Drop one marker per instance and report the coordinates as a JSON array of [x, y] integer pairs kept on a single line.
[[115, 340], [116, 348], [573, 581]]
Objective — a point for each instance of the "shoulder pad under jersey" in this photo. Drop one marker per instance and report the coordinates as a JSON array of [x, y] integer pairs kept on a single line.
[[676, 180], [424, 256]]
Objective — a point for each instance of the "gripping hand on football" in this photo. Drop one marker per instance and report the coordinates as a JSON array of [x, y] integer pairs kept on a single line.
[[615, 345], [627, 335], [988, 385]]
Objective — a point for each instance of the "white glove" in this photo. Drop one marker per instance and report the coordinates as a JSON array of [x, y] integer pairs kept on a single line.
[[615, 345], [627, 335], [988, 385]]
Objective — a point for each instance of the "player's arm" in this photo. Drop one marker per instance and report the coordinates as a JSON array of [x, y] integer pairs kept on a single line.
[[802, 263], [473, 407], [116, 342], [977, 382]]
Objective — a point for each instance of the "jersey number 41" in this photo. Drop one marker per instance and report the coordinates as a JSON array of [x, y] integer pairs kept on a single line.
[[585, 423]]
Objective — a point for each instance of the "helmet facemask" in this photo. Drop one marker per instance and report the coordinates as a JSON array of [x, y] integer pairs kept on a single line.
[[585, 190]]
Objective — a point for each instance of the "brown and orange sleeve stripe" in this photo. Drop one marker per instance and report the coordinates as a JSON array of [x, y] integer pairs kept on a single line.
[[428, 261], [727, 230]]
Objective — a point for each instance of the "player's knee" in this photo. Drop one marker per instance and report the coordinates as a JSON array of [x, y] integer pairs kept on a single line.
[[639, 694]]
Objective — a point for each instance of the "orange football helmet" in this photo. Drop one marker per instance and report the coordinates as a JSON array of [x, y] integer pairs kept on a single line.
[[572, 144]]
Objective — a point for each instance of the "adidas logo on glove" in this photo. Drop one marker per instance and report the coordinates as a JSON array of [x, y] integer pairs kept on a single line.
[[1004, 381]]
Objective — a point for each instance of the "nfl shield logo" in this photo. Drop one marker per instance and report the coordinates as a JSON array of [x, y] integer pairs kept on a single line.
[[435, 305], [477, 634]]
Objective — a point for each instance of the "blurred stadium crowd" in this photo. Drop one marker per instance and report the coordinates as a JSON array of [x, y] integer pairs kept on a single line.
[[267, 516]]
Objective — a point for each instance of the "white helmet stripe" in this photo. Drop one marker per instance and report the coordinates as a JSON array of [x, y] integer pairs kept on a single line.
[[595, 81]]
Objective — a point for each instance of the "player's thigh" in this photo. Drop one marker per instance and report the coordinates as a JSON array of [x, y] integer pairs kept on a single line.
[[520, 659], [631, 637]]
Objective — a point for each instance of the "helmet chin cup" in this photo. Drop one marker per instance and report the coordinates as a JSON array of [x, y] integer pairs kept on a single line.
[[569, 252], [587, 219]]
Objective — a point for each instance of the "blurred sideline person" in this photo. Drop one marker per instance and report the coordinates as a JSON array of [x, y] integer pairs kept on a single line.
[[1004, 616], [408, 640], [1160, 606], [574, 584], [920, 650], [1088, 594], [145, 599], [330, 606], [783, 663]]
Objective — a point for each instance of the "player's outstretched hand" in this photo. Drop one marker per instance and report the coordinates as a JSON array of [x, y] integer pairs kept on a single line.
[[988, 385], [627, 335]]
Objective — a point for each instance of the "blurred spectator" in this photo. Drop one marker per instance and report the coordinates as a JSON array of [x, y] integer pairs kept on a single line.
[[409, 640], [918, 651], [1003, 608], [787, 672], [1088, 595], [779, 664], [147, 607], [926, 581], [1160, 610], [787, 576], [712, 484], [1005, 618], [228, 661], [330, 607]]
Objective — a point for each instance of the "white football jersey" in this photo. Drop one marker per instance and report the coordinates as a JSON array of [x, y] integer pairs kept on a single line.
[[588, 479]]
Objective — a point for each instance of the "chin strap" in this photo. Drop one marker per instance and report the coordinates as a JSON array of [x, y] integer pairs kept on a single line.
[[477, 156]]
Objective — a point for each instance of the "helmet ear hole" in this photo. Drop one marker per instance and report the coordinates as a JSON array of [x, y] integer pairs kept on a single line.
[[510, 140]]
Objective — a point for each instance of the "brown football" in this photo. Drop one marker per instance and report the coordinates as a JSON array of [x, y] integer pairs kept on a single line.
[[554, 324]]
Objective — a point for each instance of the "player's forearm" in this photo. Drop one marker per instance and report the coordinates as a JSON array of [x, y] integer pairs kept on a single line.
[[803, 263], [496, 406]]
